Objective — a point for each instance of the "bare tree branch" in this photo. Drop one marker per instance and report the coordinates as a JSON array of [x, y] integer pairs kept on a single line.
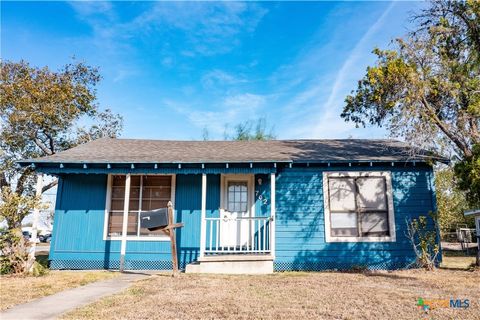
[[50, 185]]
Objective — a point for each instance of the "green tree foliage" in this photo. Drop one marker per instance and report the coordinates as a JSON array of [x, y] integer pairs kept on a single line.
[[427, 89], [451, 202], [467, 173], [41, 111], [40, 115], [14, 207], [251, 130], [14, 248]]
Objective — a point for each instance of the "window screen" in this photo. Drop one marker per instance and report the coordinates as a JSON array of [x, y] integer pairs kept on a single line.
[[358, 206], [146, 193]]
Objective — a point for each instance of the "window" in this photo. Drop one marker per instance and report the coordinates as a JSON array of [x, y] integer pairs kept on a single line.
[[237, 196], [358, 206], [147, 192]]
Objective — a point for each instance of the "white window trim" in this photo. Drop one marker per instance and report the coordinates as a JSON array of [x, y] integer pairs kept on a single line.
[[391, 214], [130, 237]]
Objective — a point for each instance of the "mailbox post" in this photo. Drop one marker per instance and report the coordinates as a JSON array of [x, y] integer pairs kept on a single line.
[[162, 219]]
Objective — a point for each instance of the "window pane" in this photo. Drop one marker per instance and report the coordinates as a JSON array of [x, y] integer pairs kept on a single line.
[[237, 196], [243, 207], [158, 192], [115, 223], [134, 192], [371, 193], [118, 180], [148, 205], [117, 205], [134, 181], [342, 194], [343, 220], [243, 197], [344, 232], [374, 224], [133, 205], [157, 181], [118, 192], [132, 223]]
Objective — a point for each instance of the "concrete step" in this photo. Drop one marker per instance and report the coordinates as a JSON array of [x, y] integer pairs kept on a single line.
[[232, 264]]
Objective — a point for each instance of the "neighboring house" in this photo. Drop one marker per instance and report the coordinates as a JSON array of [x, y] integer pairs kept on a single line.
[[247, 206]]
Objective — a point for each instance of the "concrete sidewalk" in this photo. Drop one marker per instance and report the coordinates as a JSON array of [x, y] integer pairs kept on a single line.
[[53, 306]]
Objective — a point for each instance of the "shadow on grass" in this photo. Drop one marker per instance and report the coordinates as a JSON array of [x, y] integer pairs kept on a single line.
[[42, 259], [389, 275]]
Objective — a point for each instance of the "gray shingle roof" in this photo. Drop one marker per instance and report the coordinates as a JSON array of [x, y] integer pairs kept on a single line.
[[167, 151]]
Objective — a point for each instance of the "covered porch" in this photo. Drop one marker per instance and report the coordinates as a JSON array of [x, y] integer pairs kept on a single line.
[[239, 237]]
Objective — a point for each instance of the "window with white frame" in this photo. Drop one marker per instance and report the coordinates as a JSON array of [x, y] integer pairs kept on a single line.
[[147, 192], [358, 206], [237, 196]]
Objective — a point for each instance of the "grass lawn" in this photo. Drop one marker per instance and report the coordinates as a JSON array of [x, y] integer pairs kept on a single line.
[[316, 295], [452, 259], [17, 290]]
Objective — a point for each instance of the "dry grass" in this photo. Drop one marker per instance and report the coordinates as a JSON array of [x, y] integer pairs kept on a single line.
[[16, 289], [333, 295], [464, 262]]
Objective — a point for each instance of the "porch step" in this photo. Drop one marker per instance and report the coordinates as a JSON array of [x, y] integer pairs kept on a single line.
[[233, 264]]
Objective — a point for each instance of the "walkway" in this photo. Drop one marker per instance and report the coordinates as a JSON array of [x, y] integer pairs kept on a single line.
[[53, 306]]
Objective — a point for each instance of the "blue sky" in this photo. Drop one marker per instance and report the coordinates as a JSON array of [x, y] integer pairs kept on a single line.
[[174, 68]]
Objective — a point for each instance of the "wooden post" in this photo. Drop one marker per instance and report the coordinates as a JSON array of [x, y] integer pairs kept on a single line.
[[173, 241], [123, 247], [477, 226], [36, 214]]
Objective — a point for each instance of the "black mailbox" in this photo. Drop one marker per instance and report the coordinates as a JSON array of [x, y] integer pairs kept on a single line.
[[154, 219]]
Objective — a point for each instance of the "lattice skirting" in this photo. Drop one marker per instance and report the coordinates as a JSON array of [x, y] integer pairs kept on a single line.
[[332, 265], [112, 264], [278, 265]]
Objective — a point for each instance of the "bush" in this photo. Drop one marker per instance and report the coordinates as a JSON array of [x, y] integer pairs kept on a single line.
[[424, 239], [14, 251]]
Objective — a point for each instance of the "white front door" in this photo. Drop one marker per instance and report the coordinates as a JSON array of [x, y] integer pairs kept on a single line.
[[237, 195]]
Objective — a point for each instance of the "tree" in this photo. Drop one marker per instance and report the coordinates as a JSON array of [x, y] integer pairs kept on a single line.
[[14, 207], [427, 89], [41, 111], [451, 202], [251, 130]]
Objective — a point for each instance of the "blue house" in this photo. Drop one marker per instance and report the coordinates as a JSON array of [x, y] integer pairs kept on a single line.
[[246, 206]]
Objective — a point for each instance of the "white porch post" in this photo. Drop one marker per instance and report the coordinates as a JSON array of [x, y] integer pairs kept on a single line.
[[36, 214], [272, 214], [203, 226], [123, 247]]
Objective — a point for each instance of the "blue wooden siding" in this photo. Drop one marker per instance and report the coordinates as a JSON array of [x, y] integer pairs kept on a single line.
[[300, 226], [78, 243], [79, 224]]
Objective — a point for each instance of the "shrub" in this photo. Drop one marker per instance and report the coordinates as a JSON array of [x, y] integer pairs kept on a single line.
[[424, 239], [14, 251]]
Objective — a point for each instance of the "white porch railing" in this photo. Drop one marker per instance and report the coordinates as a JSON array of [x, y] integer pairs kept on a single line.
[[238, 235]]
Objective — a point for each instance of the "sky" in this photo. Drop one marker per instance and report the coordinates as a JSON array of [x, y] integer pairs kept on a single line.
[[172, 69]]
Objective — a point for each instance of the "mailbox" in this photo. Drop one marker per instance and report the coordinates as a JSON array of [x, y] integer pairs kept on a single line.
[[155, 219]]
